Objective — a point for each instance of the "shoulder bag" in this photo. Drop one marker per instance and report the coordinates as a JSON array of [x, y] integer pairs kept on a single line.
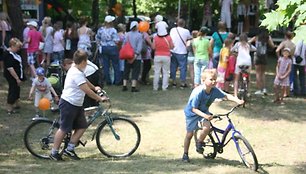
[[126, 51]]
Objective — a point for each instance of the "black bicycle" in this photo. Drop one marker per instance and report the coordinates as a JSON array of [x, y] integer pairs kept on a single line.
[[214, 143], [116, 136], [243, 84]]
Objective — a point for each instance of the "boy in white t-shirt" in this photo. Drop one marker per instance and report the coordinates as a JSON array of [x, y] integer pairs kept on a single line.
[[71, 109], [42, 88]]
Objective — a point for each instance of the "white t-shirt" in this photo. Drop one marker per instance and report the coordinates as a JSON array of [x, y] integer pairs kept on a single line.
[[72, 92], [179, 44], [41, 86], [226, 6], [58, 41]]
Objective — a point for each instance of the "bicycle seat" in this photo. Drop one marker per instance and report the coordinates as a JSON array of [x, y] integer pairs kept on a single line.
[[243, 67]]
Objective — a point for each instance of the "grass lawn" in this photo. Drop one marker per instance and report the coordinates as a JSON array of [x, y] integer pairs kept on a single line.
[[276, 132]]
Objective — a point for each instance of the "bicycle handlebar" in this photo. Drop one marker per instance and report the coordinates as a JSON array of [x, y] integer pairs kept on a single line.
[[226, 114]]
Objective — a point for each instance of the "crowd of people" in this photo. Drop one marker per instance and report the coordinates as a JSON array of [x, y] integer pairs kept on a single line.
[[173, 51]]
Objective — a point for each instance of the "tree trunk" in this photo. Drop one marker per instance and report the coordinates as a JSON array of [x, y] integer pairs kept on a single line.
[[134, 9], [95, 13], [15, 14]]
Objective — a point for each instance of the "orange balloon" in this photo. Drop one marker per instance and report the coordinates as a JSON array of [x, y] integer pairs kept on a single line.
[[44, 104], [143, 26]]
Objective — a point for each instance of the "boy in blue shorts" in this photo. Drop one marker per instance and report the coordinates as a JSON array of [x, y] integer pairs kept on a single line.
[[197, 109], [71, 109]]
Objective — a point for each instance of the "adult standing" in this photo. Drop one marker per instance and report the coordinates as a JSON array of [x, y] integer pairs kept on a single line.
[[47, 31], [136, 41], [5, 35], [107, 38], [34, 37], [71, 39], [179, 36], [299, 78], [226, 11], [262, 41], [162, 44], [84, 34], [287, 43], [216, 42], [13, 72]]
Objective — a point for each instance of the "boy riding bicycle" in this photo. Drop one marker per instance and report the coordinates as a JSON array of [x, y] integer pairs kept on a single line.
[[71, 109], [197, 109]]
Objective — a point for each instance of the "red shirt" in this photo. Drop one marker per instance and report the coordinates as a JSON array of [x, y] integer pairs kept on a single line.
[[162, 47], [35, 37]]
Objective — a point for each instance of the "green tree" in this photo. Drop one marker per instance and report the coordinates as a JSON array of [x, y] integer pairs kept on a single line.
[[288, 11]]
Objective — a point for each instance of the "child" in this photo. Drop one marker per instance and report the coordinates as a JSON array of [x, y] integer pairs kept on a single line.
[[190, 58], [202, 51], [243, 58], [222, 65], [197, 109], [281, 80], [42, 87]]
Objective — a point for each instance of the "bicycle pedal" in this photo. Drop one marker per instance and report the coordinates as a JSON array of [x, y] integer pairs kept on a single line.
[[83, 144]]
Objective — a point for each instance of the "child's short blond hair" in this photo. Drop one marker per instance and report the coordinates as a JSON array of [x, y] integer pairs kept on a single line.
[[209, 73]]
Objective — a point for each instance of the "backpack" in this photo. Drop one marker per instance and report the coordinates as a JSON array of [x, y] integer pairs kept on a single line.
[[261, 48]]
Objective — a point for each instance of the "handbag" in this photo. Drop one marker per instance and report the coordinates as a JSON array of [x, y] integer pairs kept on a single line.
[[299, 59], [41, 45], [126, 51]]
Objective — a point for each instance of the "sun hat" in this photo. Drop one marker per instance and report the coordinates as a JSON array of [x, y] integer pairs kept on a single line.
[[109, 18], [133, 24], [158, 18], [287, 49], [32, 23]]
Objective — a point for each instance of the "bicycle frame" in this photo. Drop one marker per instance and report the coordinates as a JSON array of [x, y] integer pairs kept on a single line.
[[230, 127]]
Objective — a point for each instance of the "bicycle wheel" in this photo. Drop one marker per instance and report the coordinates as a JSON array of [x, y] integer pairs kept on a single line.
[[210, 149], [246, 152], [119, 139], [39, 137]]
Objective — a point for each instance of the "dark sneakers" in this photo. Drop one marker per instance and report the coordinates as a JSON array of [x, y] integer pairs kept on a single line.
[[183, 86], [199, 147], [185, 158], [56, 157], [71, 154]]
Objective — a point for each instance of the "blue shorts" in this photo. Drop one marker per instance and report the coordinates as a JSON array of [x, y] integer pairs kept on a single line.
[[72, 117], [192, 123], [32, 58]]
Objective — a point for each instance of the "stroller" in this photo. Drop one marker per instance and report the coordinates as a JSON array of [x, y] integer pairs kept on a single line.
[[55, 77]]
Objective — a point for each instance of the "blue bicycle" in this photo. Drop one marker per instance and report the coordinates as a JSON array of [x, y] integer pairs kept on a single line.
[[214, 142]]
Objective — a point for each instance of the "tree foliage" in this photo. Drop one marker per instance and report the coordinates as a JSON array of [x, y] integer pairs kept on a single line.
[[288, 12]]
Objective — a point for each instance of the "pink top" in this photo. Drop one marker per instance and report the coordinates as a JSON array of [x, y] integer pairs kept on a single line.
[[35, 37], [162, 47]]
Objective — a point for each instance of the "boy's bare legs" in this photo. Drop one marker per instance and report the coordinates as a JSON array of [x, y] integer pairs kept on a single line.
[[76, 136], [187, 141], [236, 79], [204, 132], [58, 138]]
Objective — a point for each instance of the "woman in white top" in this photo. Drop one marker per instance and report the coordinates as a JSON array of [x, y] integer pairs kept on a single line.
[[85, 35], [47, 31]]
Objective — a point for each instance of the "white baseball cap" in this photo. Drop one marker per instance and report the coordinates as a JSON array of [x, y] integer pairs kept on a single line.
[[133, 24], [109, 18], [32, 23], [158, 18]]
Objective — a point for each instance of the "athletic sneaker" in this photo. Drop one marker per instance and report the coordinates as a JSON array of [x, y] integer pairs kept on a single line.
[[199, 147], [185, 158], [56, 157], [264, 91], [71, 154], [258, 92]]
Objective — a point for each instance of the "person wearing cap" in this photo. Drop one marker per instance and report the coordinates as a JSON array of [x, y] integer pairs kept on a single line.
[[159, 23], [281, 81], [162, 44], [42, 88], [107, 38], [202, 52], [179, 35], [34, 37], [136, 40]]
